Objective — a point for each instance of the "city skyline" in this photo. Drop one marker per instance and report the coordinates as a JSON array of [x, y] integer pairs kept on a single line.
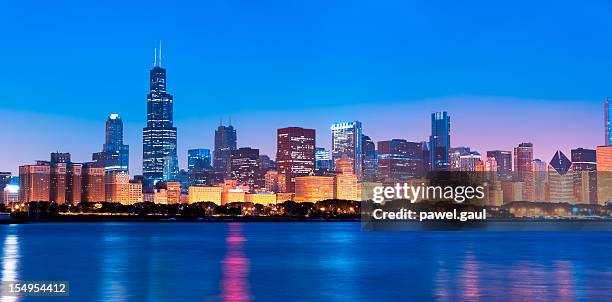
[[328, 65], [556, 141]]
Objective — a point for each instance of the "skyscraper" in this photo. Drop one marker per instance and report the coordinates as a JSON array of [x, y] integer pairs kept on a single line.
[[584, 165], [469, 162], [35, 182], [604, 174], [74, 183], [266, 163], [560, 178], [93, 183], [225, 143], [345, 181], [114, 155], [439, 141], [117, 187], [5, 179], [295, 155], [314, 188], [58, 157], [65, 180], [523, 168], [504, 162], [159, 136], [346, 141], [198, 159], [57, 189], [245, 168], [399, 160], [454, 157], [607, 125], [370, 161], [324, 162], [540, 180]]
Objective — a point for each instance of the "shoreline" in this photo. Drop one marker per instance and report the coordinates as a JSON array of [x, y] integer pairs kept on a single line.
[[217, 219]]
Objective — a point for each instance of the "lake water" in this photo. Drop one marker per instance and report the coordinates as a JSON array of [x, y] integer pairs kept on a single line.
[[304, 262]]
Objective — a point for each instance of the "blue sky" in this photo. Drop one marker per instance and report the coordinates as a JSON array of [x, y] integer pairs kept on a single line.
[[506, 72]]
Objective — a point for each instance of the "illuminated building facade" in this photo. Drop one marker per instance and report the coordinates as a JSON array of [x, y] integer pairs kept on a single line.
[[261, 198], [117, 187], [245, 167], [271, 181], [171, 190], [295, 154], [469, 162], [198, 159], [584, 165], [10, 194], [232, 196], [159, 136], [57, 188], [346, 187], [399, 159], [454, 157], [604, 174], [66, 179], [135, 195], [346, 141], [93, 183], [504, 162], [523, 168], [344, 165], [603, 158], [205, 194], [313, 188], [345, 180], [560, 178], [282, 197], [35, 181], [74, 183], [5, 179], [540, 180], [323, 162]]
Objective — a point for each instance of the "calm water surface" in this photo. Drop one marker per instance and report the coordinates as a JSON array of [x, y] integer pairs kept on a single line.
[[304, 262]]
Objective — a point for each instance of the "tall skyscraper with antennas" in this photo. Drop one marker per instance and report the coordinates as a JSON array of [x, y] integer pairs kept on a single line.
[[159, 156], [225, 143]]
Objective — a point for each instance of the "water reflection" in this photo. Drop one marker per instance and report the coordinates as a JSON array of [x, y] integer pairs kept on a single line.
[[10, 261], [441, 282], [113, 268], [470, 273], [565, 281], [235, 267], [477, 279]]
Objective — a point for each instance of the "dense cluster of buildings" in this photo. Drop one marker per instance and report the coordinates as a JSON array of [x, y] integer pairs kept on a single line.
[[301, 171]]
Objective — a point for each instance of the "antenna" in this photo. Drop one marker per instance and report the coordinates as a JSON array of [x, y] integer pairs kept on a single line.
[[160, 53], [155, 58], [230, 120]]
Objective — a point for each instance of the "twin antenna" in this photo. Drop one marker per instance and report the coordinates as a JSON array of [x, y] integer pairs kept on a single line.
[[160, 56]]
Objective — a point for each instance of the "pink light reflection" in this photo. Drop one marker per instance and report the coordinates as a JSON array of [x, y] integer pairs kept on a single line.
[[235, 267]]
